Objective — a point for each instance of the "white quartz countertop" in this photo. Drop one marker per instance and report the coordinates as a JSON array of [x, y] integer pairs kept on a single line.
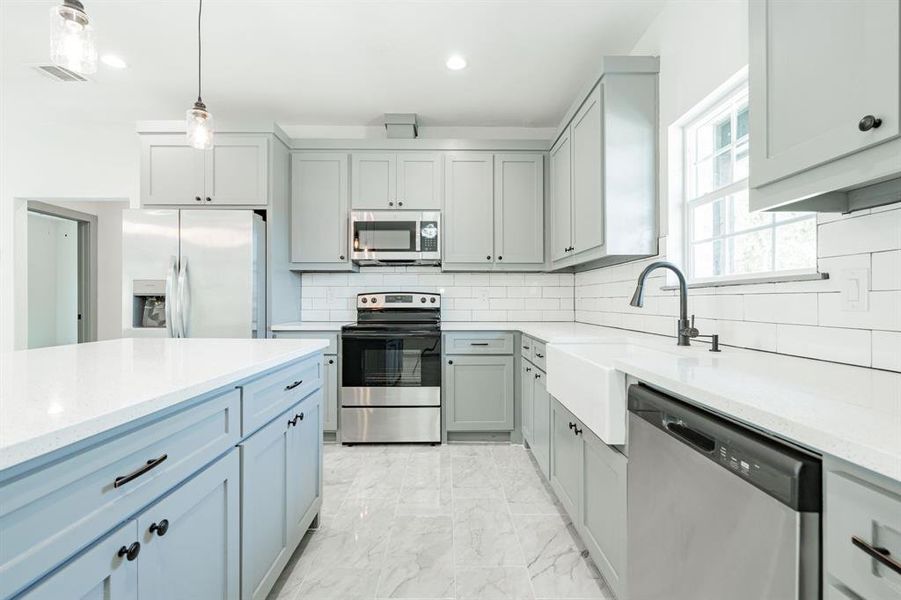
[[53, 397], [311, 326]]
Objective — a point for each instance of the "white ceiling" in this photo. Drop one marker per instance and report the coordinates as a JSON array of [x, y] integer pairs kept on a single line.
[[327, 62]]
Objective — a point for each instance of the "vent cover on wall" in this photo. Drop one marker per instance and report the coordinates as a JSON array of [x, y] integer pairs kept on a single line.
[[60, 73]]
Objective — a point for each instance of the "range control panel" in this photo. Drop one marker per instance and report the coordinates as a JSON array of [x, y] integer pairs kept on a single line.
[[395, 300]]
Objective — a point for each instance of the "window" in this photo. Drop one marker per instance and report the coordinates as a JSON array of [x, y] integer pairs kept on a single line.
[[723, 239]]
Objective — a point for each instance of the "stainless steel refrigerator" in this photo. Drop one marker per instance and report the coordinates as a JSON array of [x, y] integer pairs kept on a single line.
[[194, 273]]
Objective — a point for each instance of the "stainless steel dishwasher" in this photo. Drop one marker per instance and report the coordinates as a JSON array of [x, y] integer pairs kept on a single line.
[[715, 510]]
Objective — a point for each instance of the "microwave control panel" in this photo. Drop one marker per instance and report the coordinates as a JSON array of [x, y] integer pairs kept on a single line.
[[428, 234]]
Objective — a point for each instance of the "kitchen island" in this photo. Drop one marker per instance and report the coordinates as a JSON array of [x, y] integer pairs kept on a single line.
[[126, 459]]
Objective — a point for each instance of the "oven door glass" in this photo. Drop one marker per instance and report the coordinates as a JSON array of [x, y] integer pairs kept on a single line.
[[385, 236], [390, 360]]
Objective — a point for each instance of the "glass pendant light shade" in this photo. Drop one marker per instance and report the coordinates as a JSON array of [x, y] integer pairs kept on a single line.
[[200, 126], [72, 38]]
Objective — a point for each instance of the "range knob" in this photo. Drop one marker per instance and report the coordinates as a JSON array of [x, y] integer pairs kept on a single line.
[[432, 300], [422, 299], [365, 300], [374, 299]]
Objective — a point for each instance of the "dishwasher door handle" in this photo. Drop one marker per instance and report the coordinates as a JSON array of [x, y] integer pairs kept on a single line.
[[880, 555], [690, 436]]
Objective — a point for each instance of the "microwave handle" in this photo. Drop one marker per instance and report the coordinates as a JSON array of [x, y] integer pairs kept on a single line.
[[418, 235]]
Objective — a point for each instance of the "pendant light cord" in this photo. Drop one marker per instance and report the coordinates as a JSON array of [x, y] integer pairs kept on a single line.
[[199, 50]]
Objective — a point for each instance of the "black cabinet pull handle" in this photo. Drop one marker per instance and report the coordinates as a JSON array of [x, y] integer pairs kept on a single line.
[[528, 369], [300, 416], [525, 347], [879, 554], [578, 431], [292, 422], [539, 355], [160, 528], [293, 385], [572, 425], [130, 552], [869, 122], [478, 343], [150, 464], [537, 375]]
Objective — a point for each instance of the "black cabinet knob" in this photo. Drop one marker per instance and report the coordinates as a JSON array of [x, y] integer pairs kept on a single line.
[[400, 203], [391, 204], [160, 528], [869, 122], [331, 361], [208, 199], [198, 199], [130, 552], [341, 257], [500, 258], [488, 257], [450, 362]]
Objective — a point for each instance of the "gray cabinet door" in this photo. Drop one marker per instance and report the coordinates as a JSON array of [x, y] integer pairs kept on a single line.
[[189, 539], [98, 573], [172, 173], [264, 508], [603, 523], [800, 51], [419, 180], [541, 423], [330, 394], [373, 180], [566, 460], [561, 197], [479, 392], [587, 174], [469, 208], [237, 171], [319, 208], [526, 379], [519, 208], [304, 464]]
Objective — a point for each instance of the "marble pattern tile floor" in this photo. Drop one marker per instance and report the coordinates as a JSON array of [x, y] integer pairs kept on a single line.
[[455, 522]]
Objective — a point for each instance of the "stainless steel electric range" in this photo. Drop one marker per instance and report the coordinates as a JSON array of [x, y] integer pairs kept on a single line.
[[391, 373]]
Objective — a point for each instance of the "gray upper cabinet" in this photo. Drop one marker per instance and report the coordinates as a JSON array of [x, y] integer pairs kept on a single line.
[[809, 140], [319, 211], [469, 208], [561, 197], [235, 172], [494, 211], [419, 180], [603, 169], [519, 208], [387, 180], [373, 180], [587, 175], [478, 393]]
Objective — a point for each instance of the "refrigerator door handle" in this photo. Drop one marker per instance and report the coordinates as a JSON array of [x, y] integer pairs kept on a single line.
[[184, 298], [171, 325]]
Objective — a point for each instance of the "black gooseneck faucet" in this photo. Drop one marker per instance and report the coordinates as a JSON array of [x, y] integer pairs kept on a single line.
[[684, 329]]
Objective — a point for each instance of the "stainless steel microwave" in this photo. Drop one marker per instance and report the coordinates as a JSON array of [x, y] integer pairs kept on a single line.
[[395, 237]]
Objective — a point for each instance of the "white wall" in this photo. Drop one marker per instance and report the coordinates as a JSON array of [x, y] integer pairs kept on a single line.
[[52, 281], [702, 44], [465, 296]]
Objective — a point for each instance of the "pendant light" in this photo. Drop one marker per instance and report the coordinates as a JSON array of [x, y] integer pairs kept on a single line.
[[72, 38], [199, 119]]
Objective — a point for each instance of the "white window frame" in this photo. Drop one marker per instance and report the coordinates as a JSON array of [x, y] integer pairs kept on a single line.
[[732, 92]]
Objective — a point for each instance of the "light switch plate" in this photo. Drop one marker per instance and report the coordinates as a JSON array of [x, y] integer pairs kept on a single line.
[[856, 290]]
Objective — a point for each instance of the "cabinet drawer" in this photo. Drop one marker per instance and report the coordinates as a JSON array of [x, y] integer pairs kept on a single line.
[[51, 513], [858, 509], [539, 355], [265, 398], [526, 347], [478, 342], [331, 336]]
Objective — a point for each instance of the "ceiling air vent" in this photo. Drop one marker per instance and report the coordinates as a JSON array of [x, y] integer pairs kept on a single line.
[[60, 73]]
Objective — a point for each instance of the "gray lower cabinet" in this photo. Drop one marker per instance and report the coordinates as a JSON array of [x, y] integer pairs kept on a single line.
[[526, 386], [589, 479], [541, 424], [478, 393], [280, 485], [330, 394]]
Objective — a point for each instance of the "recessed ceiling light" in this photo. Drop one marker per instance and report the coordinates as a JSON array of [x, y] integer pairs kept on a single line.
[[456, 62], [111, 60]]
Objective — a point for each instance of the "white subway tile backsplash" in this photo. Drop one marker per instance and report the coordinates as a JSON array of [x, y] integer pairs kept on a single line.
[[852, 346], [887, 350], [884, 312], [856, 234], [886, 271], [800, 309]]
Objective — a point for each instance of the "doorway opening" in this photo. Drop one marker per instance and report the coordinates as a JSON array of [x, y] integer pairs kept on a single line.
[[62, 275]]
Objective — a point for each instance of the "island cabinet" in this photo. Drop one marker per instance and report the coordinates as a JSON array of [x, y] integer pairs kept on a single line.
[[589, 479], [603, 170], [153, 509], [814, 149], [478, 381], [234, 172], [331, 382], [402, 180], [494, 211], [320, 211]]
